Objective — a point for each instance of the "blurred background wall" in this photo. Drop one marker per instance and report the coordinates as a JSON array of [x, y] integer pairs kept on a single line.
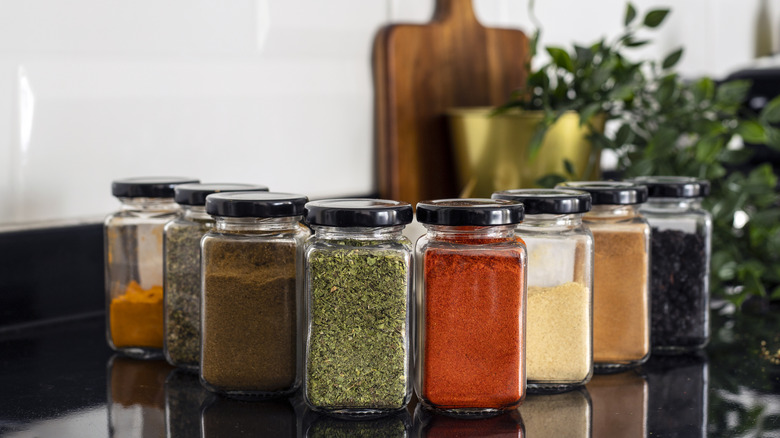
[[277, 92]]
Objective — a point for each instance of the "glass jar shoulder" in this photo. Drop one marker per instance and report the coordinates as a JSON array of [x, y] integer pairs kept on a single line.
[[580, 233], [636, 223], [182, 225], [296, 236], [318, 249], [137, 217], [512, 247]]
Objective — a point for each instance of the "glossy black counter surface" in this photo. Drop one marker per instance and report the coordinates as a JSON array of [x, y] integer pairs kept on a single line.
[[61, 380]]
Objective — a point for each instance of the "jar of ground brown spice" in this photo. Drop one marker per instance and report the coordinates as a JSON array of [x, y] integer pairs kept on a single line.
[[621, 293], [251, 296], [471, 295], [559, 339]]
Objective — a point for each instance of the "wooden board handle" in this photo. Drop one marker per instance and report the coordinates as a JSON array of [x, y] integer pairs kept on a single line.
[[457, 11]]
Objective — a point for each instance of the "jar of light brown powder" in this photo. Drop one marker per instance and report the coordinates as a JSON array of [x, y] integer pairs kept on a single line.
[[621, 301]]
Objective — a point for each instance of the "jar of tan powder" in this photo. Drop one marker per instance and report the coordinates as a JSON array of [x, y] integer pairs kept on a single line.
[[559, 336], [621, 293]]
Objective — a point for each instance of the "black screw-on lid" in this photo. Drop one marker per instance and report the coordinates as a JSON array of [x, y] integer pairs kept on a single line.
[[674, 186], [358, 213], [477, 212], [609, 192], [547, 201], [148, 187], [195, 194], [255, 204]]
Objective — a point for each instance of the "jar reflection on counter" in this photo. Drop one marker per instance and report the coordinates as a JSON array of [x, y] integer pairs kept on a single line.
[[567, 414], [431, 424], [223, 417], [134, 264], [182, 282], [184, 398], [681, 246], [559, 339], [471, 294], [251, 296], [136, 397], [678, 388], [619, 403], [621, 265]]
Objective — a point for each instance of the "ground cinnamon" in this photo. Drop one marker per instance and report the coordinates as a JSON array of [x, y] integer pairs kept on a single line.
[[621, 325]]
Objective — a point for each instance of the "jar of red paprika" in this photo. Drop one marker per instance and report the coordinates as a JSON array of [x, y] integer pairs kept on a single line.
[[471, 272]]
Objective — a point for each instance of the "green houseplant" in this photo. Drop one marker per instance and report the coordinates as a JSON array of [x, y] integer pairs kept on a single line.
[[660, 124]]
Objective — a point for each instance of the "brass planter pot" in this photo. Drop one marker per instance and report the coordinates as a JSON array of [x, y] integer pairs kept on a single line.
[[491, 152]]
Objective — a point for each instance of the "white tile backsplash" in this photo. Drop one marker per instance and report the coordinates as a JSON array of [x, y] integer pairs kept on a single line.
[[277, 92]]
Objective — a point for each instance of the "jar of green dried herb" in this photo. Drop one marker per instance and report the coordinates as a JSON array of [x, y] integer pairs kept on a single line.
[[680, 262], [358, 294], [251, 295], [133, 239], [182, 282], [559, 341]]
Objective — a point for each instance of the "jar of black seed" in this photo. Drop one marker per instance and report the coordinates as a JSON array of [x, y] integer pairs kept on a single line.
[[680, 262]]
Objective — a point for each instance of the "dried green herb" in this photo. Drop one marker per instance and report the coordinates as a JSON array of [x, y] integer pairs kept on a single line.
[[182, 290], [395, 426], [357, 348]]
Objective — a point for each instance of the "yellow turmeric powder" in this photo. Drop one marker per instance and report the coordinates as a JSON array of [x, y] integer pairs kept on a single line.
[[136, 317]]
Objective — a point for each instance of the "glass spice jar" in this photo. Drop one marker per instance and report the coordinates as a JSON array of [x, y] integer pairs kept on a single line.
[[621, 265], [680, 262], [133, 239], [251, 295], [358, 280], [559, 339], [471, 296], [182, 282]]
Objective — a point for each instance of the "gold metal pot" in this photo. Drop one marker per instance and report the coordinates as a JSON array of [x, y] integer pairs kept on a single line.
[[491, 152]]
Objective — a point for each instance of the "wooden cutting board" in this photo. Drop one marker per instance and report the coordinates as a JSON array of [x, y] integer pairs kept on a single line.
[[420, 71]]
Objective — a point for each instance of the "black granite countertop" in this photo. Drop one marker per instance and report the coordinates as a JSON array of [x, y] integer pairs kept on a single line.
[[61, 380]]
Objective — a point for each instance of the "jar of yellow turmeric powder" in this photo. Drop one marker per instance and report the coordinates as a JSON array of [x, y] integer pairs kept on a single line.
[[133, 239], [621, 268]]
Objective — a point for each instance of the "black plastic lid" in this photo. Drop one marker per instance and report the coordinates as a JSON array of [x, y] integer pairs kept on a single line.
[[358, 213], [674, 186], [609, 192], [476, 212], [548, 201], [148, 187], [195, 194], [255, 204]]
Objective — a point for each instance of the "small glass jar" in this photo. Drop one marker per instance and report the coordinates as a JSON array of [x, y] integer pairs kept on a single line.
[[559, 340], [251, 295], [471, 296], [133, 239], [621, 265], [182, 282], [358, 282], [680, 265]]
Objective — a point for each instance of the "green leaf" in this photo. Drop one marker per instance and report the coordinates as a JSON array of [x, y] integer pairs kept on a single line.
[[631, 42], [536, 141], [708, 149], [623, 135], [569, 167], [703, 89], [672, 59], [751, 132], [584, 55], [630, 14], [550, 180], [655, 17], [775, 294], [733, 92], [771, 112], [588, 112], [535, 42], [773, 137], [561, 58]]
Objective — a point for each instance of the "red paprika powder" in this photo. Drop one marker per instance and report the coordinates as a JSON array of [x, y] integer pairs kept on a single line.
[[471, 349]]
